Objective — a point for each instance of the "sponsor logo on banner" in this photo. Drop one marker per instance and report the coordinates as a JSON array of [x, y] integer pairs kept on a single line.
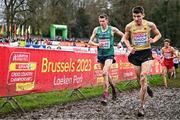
[[20, 57], [24, 86], [125, 65], [21, 71], [98, 73], [114, 72], [126, 69]]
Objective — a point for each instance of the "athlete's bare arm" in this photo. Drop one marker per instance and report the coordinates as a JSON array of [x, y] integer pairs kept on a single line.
[[174, 52], [92, 38], [162, 50], [117, 31], [155, 31], [126, 37]]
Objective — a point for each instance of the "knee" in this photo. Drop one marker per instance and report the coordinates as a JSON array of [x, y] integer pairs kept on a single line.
[[164, 72], [105, 73], [142, 77], [143, 80]]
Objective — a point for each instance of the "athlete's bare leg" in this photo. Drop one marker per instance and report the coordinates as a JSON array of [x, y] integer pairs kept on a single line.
[[138, 71], [105, 67], [164, 75], [112, 84], [171, 73], [145, 69]]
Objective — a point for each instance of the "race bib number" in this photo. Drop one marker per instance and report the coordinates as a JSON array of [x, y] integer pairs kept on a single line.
[[105, 43], [140, 39], [167, 55]]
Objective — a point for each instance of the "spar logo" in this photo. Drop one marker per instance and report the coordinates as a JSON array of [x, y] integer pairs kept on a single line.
[[21, 71], [22, 66]]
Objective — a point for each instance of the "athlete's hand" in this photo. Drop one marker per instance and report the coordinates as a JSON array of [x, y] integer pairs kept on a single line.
[[132, 50], [119, 45], [151, 40], [172, 57], [100, 44]]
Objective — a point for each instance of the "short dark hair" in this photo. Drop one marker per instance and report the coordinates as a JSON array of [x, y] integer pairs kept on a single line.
[[167, 40], [138, 9], [103, 16]]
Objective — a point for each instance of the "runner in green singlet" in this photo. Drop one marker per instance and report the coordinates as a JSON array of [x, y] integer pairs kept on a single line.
[[103, 38]]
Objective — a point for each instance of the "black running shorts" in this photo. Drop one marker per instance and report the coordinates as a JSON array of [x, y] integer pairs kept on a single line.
[[176, 66], [140, 56], [102, 59]]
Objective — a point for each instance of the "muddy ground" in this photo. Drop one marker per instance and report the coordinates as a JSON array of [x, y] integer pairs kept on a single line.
[[164, 105]]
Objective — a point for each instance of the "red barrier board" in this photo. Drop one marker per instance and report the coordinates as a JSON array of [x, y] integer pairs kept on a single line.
[[25, 71]]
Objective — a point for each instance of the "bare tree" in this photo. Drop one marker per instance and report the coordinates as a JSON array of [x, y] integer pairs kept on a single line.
[[12, 7]]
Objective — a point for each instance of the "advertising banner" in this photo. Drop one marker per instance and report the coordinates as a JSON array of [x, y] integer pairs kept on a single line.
[[25, 70]]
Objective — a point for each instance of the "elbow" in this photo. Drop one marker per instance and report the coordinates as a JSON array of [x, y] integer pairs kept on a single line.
[[122, 35], [160, 35], [89, 42]]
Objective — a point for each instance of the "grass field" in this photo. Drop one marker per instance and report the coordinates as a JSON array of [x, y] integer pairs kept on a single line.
[[41, 100]]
